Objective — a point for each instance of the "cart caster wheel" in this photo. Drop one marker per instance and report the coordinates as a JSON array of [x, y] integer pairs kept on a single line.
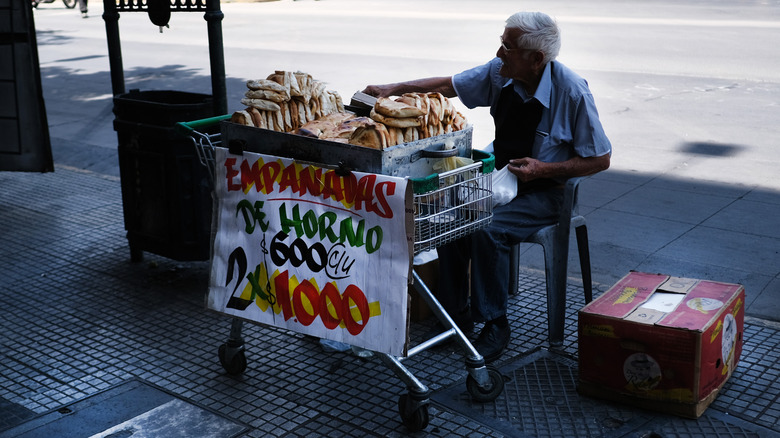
[[234, 365], [489, 393], [416, 420]]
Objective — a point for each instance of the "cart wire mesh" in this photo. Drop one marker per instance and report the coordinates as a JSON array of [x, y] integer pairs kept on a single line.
[[205, 143], [461, 204], [447, 206]]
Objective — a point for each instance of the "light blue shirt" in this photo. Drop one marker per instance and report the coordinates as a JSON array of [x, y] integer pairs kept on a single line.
[[570, 123]]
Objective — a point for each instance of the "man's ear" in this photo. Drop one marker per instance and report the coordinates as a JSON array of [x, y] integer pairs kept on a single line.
[[538, 58]]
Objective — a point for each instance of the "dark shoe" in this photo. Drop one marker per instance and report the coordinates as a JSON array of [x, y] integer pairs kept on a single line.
[[492, 341]]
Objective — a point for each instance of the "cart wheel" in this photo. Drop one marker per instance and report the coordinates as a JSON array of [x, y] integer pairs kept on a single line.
[[237, 364], [416, 420], [489, 393], [70, 4], [35, 4]]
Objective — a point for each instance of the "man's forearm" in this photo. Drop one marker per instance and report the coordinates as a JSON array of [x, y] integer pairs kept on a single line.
[[441, 85], [528, 169], [577, 166]]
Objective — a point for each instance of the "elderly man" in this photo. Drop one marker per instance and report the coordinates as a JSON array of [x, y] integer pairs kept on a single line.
[[547, 130]]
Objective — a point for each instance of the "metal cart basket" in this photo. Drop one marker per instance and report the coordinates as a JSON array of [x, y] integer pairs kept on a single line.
[[447, 206]]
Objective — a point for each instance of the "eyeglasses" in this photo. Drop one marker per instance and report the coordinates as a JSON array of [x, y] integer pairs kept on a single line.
[[507, 49]]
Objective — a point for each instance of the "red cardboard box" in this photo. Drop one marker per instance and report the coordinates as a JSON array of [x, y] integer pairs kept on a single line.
[[660, 342]]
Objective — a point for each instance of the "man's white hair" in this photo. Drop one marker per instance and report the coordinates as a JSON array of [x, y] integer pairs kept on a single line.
[[539, 32]]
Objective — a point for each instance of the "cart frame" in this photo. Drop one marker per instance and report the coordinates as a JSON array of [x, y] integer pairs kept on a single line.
[[448, 206]]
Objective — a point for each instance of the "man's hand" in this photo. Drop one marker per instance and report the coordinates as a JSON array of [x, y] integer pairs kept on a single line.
[[526, 169], [379, 90]]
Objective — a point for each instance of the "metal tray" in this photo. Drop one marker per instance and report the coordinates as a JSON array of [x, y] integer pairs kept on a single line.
[[412, 159]]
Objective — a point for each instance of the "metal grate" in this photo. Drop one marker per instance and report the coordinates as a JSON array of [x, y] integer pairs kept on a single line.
[[133, 407], [13, 414], [540, 399], [709, 425]]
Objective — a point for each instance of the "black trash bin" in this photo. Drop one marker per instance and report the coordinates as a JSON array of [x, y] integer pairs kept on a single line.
[[166, 192]]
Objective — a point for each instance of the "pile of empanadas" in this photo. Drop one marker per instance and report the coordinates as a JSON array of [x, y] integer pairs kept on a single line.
[[413, 116], [285, 101], [295, 102]]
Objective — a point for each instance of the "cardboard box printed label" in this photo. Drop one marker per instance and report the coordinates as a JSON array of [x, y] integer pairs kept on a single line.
[[661, 342]]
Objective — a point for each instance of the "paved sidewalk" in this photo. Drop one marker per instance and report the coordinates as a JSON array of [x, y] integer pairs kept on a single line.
[[91, 340]]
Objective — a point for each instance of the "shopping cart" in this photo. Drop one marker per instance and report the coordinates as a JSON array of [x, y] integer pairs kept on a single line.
[[447, 206]]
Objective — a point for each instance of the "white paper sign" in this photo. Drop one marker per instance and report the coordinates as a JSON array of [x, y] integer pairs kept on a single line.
[[300, 247], [663, 302]]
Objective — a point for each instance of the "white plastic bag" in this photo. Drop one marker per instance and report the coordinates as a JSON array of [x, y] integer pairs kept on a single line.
[[504, 185]]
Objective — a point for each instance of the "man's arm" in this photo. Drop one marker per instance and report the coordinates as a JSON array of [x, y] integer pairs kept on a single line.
[[528, 169], [441, 84]]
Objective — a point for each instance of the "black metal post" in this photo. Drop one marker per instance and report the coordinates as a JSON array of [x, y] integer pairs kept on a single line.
[[213, 19], [111, 17]]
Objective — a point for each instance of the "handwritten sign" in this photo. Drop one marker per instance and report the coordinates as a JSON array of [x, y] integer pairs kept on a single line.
[[304, 248]]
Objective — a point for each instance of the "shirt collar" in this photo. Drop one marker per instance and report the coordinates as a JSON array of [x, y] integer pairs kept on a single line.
[[543, 90]]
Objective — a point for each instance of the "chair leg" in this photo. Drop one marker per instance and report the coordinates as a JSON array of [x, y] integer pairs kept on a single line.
[[556, 296], [584, 252], [514, 270]]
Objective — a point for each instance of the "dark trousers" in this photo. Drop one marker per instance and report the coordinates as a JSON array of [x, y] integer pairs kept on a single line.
[[488, 251]]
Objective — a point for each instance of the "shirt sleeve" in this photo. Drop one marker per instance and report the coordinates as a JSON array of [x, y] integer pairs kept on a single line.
[[590, 140], [573, 126], [477, 86]]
